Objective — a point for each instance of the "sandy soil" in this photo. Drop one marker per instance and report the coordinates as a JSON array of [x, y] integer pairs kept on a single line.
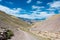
[[21, 35]]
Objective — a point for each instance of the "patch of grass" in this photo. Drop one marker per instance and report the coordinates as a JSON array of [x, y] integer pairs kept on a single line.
[[9, 34]]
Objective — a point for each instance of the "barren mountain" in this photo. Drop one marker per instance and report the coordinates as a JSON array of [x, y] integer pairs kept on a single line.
[[52, 24], [20, 28], [14, 24]]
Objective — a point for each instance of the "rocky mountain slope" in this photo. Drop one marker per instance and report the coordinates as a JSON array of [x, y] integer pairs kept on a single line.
[[10, 20], [19, 27], [52, 24], [50, 28], [14, 24]]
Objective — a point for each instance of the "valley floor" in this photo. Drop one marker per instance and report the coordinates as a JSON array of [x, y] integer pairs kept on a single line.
[[22, 35]]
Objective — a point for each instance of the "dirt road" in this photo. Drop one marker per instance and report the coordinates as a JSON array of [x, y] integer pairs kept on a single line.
[[21, 35]]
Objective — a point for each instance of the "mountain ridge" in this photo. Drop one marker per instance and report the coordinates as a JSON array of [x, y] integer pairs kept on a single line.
[[5, 17], [52, 24]]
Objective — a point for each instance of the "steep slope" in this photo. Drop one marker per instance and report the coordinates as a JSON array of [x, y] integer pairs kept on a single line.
[[14, 24], [52, 24], [20, 28], [12, 20]]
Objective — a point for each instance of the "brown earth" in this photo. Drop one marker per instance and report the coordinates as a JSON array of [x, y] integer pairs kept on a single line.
[[52, 24]]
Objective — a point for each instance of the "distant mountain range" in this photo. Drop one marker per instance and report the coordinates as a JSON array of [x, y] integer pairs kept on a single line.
[[31, 21]]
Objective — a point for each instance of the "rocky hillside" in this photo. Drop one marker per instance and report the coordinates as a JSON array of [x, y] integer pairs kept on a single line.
[[20, 28], [49, 28], [15, 24], [52, 24], [6, 20]]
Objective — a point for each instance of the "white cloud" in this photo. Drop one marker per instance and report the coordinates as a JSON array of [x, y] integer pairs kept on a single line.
[[37, 7], [33, 15], [13, 11], [0, 0], [45, 14], [29, 1], [55, 4], [51, 9], [39, 14], [36, 16], [38, 2]]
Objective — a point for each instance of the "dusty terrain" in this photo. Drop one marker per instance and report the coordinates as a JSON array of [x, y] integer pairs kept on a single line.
[[49, 28], [18, 34], [21, 35], [14, 24], [45, 30]]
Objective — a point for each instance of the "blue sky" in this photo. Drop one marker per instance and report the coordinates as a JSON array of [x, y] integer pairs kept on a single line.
[[31, 9]]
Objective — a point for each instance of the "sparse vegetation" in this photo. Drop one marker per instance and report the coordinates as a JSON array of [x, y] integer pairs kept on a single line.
[[6, 34], [9, 34], [13, 23]]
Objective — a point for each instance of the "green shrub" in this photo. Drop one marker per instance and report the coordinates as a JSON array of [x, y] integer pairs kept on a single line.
[[9, 34]]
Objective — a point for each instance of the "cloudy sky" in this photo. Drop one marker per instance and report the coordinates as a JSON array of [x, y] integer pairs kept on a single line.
[[31, 9]]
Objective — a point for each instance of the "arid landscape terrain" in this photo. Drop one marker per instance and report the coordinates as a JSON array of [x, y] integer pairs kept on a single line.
[[48, 29]]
